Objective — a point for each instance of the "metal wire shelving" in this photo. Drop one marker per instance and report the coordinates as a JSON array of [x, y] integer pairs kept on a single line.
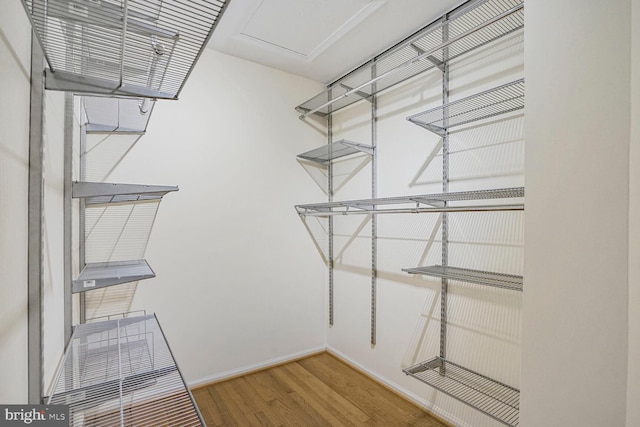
[[122, 372], [490, 103], [418, 203], [122, 47], [117, 115], [102, 274], [493, 398], [470, 27], [335, 150], [95, 193], [487, 278]]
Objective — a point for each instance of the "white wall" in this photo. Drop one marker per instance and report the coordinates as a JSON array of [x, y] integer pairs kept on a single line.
[[577, 168], [239, 282], [15, 54], [633, 376]]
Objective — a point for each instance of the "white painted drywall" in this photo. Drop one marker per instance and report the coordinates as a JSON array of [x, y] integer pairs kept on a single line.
[[15, 54], [239, 282], [633, 376], [574, 367]]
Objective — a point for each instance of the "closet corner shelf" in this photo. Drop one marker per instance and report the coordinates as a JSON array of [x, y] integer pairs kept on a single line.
[[96, 193], [335, 150], [417, 204], [103, 274], [493, 398], [490, 103], [116, 48], [469, 27], [121, 373], [487, 278]]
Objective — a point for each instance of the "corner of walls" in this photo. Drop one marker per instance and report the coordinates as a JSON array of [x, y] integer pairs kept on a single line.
[[633, 375]]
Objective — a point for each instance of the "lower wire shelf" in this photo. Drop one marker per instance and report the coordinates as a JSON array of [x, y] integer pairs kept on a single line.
[[495, 399], [122, 373]]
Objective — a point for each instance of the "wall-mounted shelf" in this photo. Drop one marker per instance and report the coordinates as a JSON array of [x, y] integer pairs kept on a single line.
[[469, 27], [491, 397], [418, 203], [122, 47], [117, 115], [103, 193], [487, 278], [102, 274], [335, 150], [490, 103], [122, 372]]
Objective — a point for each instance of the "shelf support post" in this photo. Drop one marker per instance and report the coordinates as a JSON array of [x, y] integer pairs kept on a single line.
[[374, 218], [330, 195], [445, 189]]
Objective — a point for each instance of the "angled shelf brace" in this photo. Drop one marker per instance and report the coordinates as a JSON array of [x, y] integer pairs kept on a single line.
[[95, 193], [490, 103], [117, 115], [335, 150], [469, 27], [103, 274], [495, 399], [122, 372], [418, 203], [128, 48], [487, 278]]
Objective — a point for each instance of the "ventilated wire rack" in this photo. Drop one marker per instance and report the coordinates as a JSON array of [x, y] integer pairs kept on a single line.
[[335, 150], [417, 203], [491, 397], [122, 47], [490, 103], [487, 278], [122, 373], [117, 115], [473, 25]]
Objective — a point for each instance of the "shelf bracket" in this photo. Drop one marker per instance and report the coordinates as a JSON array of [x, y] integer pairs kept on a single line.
[[361, 94], [435, 61]]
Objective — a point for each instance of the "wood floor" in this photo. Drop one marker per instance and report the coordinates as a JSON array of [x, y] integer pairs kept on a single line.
[[319, 390]]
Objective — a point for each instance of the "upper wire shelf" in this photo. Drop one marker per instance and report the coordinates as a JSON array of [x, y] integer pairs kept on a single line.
[[335, 150], [469, 27], [495, 399], [103, 192], [122, 372], [487, 278], [490, 103], [133, 48], [418, 203]]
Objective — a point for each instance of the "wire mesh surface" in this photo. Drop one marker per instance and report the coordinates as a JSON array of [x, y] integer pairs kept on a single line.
[[491, 397], [129, 47], [490, 103], [335, 150], [122, 373], [103, 274], [473, 25], [498, 280], [417, 203]]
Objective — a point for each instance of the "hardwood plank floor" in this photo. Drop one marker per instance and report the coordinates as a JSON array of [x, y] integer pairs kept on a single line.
[[319, 390]]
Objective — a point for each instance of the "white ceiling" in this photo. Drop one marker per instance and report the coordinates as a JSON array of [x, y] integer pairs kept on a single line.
[[319, 39]]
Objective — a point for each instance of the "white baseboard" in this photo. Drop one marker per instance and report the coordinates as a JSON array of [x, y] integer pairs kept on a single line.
[[409, 395], [254, 367]]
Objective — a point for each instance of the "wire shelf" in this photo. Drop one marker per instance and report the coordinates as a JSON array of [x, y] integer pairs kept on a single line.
[[487, 278], [102, 274], [490, 103], [122, 372], [338, 149], [491, 397], [96, 193], [122, 47], [117, 115], [418, 203], [469, 27]]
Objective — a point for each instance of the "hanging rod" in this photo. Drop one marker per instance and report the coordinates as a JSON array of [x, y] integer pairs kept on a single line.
[[425, 55]]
